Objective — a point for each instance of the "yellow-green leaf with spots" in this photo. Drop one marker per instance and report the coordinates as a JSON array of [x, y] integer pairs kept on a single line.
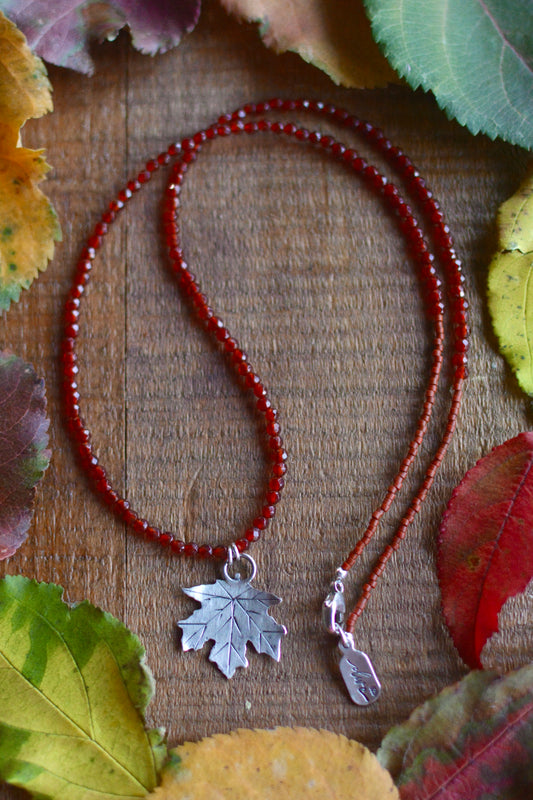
[[510, 284], [73, 691], [28, 223]]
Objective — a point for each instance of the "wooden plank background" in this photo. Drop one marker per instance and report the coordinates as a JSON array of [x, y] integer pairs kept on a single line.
[[307, 270]]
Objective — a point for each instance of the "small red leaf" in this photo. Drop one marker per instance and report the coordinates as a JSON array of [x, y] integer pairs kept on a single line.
[[486, 544], [23, 439]]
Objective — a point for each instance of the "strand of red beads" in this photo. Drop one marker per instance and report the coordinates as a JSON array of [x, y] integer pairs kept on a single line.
[[185, 153]]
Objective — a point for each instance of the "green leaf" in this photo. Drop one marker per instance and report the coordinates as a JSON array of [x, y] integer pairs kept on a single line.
[[474, 740], [510, 284], [73, 690], [476, 57]]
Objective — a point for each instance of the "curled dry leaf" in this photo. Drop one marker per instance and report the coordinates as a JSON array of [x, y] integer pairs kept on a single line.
[[28, 224], [474, 740], [485, 550], [60, 32], [510, 288], [334, 36], [73, 693], [476, 58], [23, 454], [281, 764]]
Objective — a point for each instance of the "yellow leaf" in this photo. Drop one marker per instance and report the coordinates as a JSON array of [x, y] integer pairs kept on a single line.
[[28, 223], [334, 36], [281, 764], [510, 284]]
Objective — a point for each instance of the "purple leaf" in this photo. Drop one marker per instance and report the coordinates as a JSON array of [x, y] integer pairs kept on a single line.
[[23, 453], [60, 31]]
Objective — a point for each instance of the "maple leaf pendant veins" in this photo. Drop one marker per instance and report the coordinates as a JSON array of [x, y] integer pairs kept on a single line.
[[233, 613]]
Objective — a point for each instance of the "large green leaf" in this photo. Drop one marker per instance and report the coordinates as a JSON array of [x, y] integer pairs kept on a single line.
[[73, 689], [476, 56]]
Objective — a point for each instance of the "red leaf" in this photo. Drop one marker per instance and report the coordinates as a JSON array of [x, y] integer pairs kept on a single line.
[[60, 32], [474, 741], [23, 439], [486, 544]]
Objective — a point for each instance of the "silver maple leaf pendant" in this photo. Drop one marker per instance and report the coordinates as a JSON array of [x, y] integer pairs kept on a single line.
[[233, 613]]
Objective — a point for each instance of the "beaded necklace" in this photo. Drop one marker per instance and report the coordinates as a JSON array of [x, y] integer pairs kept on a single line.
[[233, 612]]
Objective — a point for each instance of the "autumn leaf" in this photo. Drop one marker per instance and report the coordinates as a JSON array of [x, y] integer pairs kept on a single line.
[[510, 288], [335, 37], [28, 223], [62, 34], [281, 764], [23, 453], [476, 58], [73, 693], [485, 550], [474, 740]]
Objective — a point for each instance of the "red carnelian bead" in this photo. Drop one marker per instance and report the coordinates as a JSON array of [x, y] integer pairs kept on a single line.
[[163, 159], [108, 217], [358, 164], [252, 534], [205, 313], [270, 412], [134, 186], [279, 470], [94, 241], [174, 149], [242, 545], [166, 539], [140, 525], [230, 344], [124, 195], [128, 516], [71, 331], [273, 428], [103, 486], [177, 546], [238, 355], [275, 442], [259, 390], [152, 534], [220, 552], [260, 523], [279, 456], [302, 134], [100, 229], [144, 176], [111, 498], [222, 334], [264, 405], [97, 473], [244, 368], [151, 166], [268, 511], [205, 551], [459, 359], [190, 549], [461, 345], [272, 498], [276, 484]]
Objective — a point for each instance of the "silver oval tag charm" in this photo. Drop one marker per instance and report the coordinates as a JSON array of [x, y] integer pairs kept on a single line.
[[359, 675]]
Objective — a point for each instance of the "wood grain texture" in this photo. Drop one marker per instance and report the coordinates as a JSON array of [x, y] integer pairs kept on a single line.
[[308, 272]]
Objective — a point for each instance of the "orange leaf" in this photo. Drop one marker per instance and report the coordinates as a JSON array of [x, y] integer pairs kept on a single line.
[[282, 764], [28, 224], [335, 36]]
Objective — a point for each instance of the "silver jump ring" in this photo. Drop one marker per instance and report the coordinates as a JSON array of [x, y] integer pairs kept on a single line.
[[229, 563]]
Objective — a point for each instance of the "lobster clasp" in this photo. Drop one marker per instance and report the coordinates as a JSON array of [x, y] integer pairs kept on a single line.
[[333, 608]]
